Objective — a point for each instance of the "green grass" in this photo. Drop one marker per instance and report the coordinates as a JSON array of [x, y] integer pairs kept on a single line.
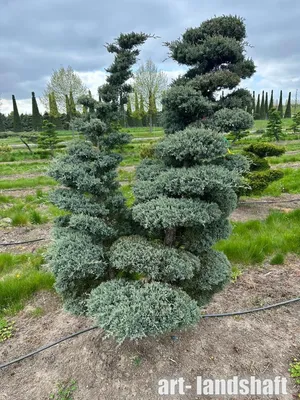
[[21, 275], [27, 183], [15, 290], [21, 168], [290, 183], [262, 124], [29, 210], [285, 158], [10, 262], [251, 242], [128, 194], [124, 176], [19, 155]]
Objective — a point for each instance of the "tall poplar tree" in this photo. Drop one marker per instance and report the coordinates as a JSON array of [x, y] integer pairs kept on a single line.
[[36, 116], [17, 121], [266, 105], [288, 109], [280, 105], [129, 113], [271, 105], [257, 109], [262, 106]]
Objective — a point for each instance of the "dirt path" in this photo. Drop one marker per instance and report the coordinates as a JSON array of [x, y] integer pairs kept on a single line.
[[260, 208], [261, 344], [24, 192], [287, 165], [14, 177]]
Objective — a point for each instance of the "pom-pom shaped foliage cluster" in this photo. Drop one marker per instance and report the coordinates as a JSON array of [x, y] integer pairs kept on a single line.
[[216, 57]]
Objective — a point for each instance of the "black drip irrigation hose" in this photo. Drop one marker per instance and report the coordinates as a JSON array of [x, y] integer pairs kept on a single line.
[[39, 350], [269, 202], [17, 243]]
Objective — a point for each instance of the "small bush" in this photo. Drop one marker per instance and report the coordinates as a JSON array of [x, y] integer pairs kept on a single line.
[[259, 181], [257, 163], [147, 151], [19, 218], [278, 259], [5, 148], [35, 217], [265, 149]]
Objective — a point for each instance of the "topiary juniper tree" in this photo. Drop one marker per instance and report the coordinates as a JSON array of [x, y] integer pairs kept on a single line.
[[215, 53], [95, 209], [168, 268]]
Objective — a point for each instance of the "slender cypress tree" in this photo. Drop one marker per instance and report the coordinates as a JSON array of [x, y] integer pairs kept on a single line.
[[55, 112], [253, 103], [288, 110], [142, 111], [17, 120], [257, 110], [68, 110], [36, 116], [271, 106], [280, 105], [266, 105], [262, 106], [129, 113], [73, 111], [136, 113], [2, 125]]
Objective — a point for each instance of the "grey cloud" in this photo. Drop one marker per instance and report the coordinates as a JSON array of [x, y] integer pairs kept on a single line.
[[37, 36]]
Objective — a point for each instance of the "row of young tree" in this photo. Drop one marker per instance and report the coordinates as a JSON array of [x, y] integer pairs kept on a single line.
[[263, 103]]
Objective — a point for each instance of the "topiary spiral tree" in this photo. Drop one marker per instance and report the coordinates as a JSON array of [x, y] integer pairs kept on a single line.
[[215, 55], [95, 209]]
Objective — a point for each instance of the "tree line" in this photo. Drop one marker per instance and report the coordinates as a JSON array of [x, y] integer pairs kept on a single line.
[[262, 104]]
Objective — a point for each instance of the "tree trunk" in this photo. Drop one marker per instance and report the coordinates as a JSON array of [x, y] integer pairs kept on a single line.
[[22, 140], [170, 236], [150, 123]]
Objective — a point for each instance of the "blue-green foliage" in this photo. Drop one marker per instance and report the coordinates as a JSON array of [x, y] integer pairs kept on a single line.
[[95, 208], [133, 309], [183, 199], [217, 61]]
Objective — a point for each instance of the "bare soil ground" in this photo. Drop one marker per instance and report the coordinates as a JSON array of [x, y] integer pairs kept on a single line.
[[24, 192], [22, 234], [260, 208], [261, 344], [14, 177]]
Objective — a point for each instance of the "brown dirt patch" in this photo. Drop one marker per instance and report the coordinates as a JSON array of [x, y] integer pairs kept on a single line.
[[260, 208], [287, 165], [260, 344], [22, 234], [24, 192], [21, 176]]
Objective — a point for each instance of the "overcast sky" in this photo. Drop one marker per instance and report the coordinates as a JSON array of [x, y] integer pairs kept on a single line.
[[37, 36]]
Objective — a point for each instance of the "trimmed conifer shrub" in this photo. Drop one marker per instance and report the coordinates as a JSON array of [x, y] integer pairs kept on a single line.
[[260, 175], [168, 269], [215, 55], [96, 215]]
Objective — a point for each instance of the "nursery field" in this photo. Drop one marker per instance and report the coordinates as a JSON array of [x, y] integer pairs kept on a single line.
[[264, 250]]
